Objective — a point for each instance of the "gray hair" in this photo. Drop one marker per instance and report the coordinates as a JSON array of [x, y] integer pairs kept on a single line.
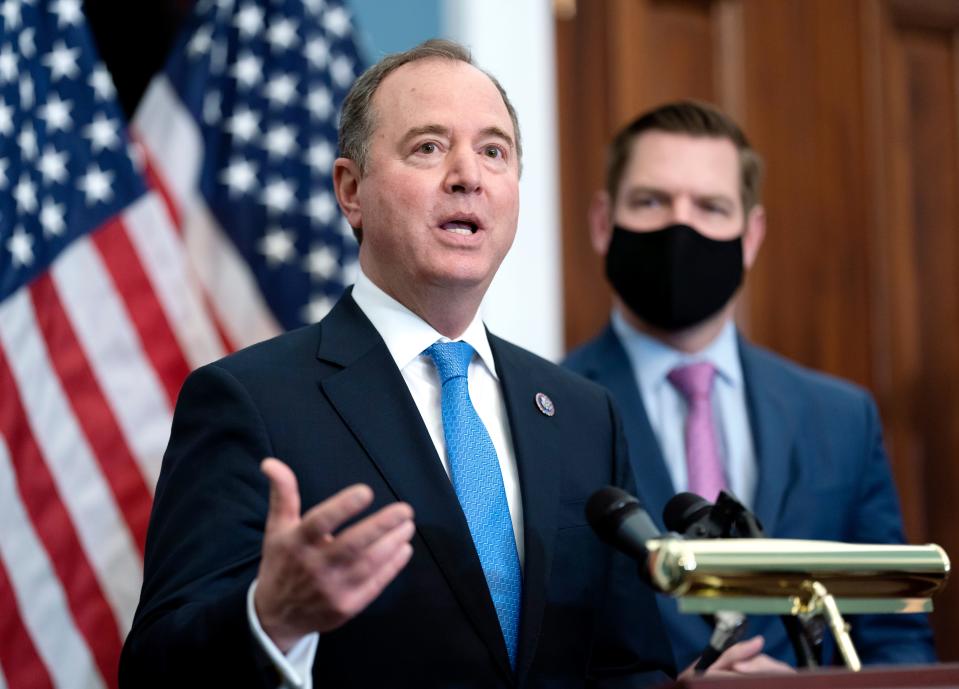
[[358, 118]]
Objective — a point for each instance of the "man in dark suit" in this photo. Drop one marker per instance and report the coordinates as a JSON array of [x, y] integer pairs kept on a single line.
[[399, 401], [679, 224]]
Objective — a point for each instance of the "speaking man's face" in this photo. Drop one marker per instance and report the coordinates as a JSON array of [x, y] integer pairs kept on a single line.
[[440, 198]]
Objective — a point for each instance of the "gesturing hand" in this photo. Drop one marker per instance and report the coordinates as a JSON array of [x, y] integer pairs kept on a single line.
[[312, 580]]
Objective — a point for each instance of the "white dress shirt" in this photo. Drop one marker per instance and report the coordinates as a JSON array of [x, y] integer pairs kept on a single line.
[[407, 336], [666, 408]]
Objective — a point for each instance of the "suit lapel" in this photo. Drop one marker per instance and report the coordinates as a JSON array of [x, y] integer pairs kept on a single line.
[[773, 423], [536, 444], [372, 399], [610, 368]]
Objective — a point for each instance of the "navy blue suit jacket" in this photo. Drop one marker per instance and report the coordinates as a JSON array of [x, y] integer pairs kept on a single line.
[[329, 400], [823, 474]]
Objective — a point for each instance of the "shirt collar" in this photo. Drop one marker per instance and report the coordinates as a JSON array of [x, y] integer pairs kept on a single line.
[[652, 360], [406, 335]]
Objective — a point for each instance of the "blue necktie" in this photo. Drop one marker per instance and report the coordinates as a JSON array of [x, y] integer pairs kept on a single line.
[[478, 483]]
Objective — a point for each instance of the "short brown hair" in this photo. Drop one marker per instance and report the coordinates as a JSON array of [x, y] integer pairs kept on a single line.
[[695, 119], [357, 121]]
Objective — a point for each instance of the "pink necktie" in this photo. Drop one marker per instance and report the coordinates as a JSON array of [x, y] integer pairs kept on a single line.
[[703, 466]]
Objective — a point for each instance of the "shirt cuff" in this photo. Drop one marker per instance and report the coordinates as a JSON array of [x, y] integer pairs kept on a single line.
[[296, 667]]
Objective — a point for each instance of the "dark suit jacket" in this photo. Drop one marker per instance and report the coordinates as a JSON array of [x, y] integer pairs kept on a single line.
[[330, 401], [823, 474]]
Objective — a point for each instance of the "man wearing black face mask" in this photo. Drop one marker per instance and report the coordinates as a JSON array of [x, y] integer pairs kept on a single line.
[[680, 224]]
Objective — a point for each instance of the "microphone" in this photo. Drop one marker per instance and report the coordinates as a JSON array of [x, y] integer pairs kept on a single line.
[[619, 519], [688, 514], [695, 517]]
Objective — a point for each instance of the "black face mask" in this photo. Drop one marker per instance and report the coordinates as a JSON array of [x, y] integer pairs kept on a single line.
[[674, 277]]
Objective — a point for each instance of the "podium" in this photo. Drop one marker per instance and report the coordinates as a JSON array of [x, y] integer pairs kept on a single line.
[[943, 676]]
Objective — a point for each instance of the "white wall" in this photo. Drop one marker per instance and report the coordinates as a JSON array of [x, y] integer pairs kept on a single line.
[[513, 39]]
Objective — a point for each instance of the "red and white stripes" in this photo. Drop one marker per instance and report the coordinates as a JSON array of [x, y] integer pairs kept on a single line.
[[172, 136], [92, 356]]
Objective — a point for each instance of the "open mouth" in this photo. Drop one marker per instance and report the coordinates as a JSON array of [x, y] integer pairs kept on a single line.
[[461, 226]]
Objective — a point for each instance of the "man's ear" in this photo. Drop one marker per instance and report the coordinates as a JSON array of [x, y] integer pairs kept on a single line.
[[346, 186], [753, 235], [600, 222]]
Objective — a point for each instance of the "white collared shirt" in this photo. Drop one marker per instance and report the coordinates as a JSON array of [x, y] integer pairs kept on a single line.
[[407, 336], [666, 408]]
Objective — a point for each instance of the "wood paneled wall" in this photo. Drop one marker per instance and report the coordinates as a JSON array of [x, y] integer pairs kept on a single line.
[[855, 107]]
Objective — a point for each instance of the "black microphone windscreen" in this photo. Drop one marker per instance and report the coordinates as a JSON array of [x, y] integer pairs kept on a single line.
[[683, 510], [606, 509]]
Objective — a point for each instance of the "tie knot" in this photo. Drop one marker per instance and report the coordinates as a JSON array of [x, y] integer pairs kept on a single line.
[[694, 381], [452, 359]]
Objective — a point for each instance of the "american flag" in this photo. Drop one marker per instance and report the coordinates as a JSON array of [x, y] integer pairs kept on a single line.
[[128, 256]]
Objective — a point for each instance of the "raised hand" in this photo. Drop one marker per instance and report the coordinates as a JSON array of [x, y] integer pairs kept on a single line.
[[312, 579]]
